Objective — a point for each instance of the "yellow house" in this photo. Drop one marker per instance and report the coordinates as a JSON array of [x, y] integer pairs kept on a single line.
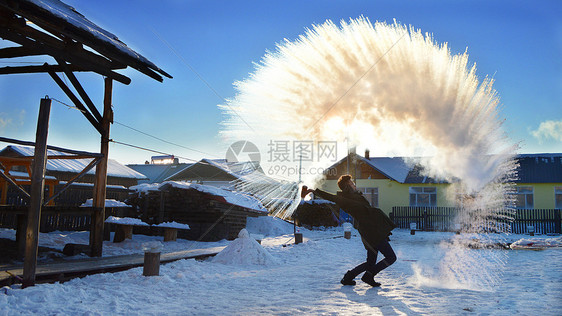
[[387, 182], [539, 184]]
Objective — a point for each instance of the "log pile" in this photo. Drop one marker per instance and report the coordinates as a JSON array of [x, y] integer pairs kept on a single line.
[[210, 217], [317, 214]]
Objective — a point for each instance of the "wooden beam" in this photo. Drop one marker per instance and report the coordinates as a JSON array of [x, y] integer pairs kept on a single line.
[[10, 181], [76, 102], [35, 40], [104, 48], [79, 89], [37, 192], [92, 164], [9, 70], [15, 52], [100, 184], [54, 25], [64, 150]]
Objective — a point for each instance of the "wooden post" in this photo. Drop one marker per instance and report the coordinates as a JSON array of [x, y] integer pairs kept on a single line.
[[21, 225], [122, 232], [4, 199], [37, 192], [151, 263], [170, 234], [96, 231], [298, 238]]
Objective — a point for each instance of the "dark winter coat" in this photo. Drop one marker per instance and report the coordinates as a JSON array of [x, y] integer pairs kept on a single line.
[[372, 223]]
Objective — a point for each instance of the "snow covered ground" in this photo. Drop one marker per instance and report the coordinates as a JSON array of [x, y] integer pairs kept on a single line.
[[434, 275]]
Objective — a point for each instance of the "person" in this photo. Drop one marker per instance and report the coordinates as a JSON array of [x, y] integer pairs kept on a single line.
[[373, 225]]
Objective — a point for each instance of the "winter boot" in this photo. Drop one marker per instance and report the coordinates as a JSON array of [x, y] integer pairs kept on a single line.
[[369, 278], [348, 279]]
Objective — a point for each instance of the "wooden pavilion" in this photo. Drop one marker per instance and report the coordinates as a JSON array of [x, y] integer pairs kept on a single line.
[[53, 29]]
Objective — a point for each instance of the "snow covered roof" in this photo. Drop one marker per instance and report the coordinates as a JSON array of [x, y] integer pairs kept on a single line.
[[395, 168], [533, 168], [114, 168], [220, 169], [73, 25], [231, 197], [157, 173], [25, 175]]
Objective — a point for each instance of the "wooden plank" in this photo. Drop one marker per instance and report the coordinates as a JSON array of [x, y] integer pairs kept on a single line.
[[92, 164], [64, 150], [78, 87], [96, 265], [76, 101], [15, 52], [48, 45]]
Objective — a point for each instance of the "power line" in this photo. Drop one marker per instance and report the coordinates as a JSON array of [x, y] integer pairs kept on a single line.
[[162, 140], [167, 154], [144, 133], [68, 105], [151, 150]]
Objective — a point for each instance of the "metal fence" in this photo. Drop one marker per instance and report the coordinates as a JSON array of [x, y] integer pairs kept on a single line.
[[543, 221]]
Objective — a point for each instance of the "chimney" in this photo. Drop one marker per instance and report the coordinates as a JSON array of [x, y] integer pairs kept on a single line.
[[367, 154]]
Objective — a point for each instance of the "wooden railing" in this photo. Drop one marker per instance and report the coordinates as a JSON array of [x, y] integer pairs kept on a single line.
[[75, 195], [53, 218]]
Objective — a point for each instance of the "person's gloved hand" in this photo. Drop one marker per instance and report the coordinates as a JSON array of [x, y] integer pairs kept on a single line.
[[305, 191]]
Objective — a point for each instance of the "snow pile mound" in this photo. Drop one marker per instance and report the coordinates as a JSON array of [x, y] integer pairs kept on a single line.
[[268, 226], [244, 251], [537, 243]]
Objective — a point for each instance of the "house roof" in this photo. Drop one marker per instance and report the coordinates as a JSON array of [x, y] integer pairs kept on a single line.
[[539, 168], [533, 168], [63, 20], [220, 170], [230, 197], [114, 168], [395, 168], [157, 173]]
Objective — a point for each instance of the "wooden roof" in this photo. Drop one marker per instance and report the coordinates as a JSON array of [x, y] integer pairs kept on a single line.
[[51, 27]]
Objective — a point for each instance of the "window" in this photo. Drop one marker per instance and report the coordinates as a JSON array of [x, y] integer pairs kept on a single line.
[[371, 194], [558, 197], [524, 198], [423, 196]]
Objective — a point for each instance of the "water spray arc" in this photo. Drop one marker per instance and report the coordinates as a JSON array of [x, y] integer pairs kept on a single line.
[[389, 88]]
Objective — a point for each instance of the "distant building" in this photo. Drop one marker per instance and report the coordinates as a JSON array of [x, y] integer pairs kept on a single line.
[[387, 182], [67, 169], [164, 160], [159, 169], [217, 172], [539, 184]]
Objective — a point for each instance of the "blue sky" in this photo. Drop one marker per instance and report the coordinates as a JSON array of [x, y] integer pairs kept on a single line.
[[518, 43]]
